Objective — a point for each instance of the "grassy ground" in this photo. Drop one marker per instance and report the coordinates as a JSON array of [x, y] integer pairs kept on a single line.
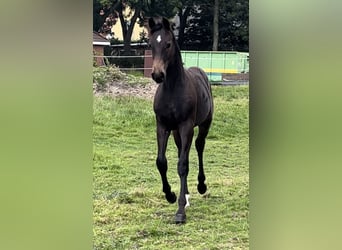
[[130, 211]]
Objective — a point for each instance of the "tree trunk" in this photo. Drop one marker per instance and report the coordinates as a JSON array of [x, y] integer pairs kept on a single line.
[[123, 24], [216, 26], [127, 30]]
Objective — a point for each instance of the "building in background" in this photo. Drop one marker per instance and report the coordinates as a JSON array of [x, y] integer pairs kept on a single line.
[[99, 43]]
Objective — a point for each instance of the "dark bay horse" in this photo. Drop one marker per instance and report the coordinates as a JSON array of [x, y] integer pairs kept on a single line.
[[183, 100]]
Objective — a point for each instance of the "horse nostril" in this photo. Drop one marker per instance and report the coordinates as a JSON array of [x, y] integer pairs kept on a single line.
[[158, 77]]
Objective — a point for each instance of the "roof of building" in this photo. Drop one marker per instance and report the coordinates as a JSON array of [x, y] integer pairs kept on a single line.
[[99, 40]]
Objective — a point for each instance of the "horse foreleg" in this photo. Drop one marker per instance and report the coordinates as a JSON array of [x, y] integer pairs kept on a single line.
[[186, 133], [162, 138], [178, 141]]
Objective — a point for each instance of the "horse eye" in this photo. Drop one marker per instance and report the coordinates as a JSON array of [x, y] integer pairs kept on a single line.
[[168, 45]]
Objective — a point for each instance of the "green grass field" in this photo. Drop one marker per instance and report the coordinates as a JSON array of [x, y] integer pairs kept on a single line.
[[130, 211]]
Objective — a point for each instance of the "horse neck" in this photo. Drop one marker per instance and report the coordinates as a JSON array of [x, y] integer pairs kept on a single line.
[[175, 70]]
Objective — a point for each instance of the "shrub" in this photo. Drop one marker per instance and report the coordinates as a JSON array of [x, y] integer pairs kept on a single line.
[[104, 75]]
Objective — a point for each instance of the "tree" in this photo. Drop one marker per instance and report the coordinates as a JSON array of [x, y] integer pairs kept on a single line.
[[233, 28], [198, 33], [216, 25], [184, 8], [103, 17], [98, 19], [196, 18], [234, 24], [138, 11], [127, 26]]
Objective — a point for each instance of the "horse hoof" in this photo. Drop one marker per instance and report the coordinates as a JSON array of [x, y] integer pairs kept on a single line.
[[202, 188], [171, 197], [180, 218]]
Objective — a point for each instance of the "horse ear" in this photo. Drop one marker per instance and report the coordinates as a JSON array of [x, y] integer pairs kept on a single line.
[[166, 24], [151, 22]]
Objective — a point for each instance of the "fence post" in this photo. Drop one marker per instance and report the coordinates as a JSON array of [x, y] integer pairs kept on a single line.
[[148, 63]]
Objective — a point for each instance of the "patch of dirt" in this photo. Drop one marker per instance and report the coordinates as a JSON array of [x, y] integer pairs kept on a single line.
[[123, 89]]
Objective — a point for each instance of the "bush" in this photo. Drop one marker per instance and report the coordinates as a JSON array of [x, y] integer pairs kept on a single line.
[[104, 75]]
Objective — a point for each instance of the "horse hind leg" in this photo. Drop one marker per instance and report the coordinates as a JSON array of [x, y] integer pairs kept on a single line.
[[200, 143]]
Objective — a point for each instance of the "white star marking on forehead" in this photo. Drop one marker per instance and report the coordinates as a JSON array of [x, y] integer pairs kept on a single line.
[[158, 39]]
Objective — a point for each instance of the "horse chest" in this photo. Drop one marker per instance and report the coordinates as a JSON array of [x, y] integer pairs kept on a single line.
[[171, 113]]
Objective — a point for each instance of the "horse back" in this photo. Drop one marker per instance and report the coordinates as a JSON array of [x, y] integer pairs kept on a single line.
[[204, 95]]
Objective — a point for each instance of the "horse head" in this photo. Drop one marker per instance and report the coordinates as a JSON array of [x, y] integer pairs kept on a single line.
[[164, 47]]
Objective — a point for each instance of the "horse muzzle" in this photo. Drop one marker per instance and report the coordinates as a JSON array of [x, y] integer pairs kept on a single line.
[[158, 77]]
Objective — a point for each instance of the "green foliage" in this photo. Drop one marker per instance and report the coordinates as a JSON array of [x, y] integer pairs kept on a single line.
[[98, 20], [130, 211], [105, 74], [139, 10], [197, 30], [233, 26], [166, 8]]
